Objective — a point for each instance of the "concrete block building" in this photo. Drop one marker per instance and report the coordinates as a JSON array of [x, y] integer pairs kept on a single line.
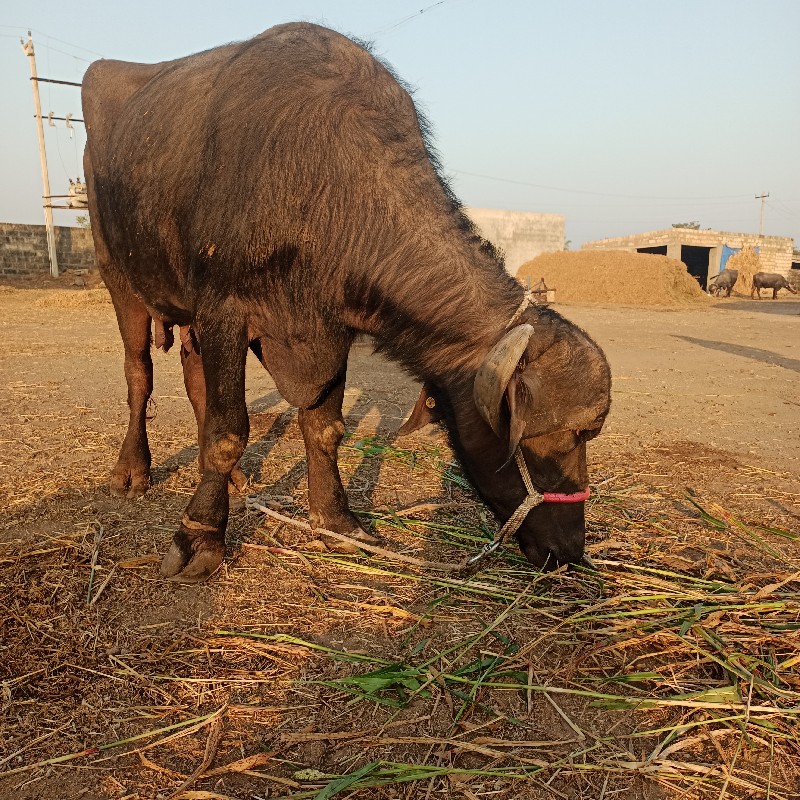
[[521, 235], [701, 250]]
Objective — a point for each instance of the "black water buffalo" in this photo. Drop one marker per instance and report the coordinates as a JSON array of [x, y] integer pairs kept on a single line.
[[280, 194], [723, 282], [769, 280]]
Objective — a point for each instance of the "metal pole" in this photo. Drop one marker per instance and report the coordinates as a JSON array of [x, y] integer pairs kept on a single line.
[[27, 48], [763, 196]]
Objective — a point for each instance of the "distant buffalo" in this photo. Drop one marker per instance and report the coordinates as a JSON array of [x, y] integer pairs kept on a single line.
[[769, 280], [723, 282]]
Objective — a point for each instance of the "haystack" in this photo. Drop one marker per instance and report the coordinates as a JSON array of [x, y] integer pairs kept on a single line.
[[748, 262], [615, 277]]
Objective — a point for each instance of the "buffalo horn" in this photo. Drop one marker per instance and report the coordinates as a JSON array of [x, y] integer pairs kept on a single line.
[[495, 373]]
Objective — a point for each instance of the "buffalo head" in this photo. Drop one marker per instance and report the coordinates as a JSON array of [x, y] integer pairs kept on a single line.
[[545, 389]]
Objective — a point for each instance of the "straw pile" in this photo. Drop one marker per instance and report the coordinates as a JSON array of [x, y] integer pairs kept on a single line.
[[615, 277], [748, 262]]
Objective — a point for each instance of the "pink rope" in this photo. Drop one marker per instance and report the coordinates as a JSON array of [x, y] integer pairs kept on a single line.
[[575, 497]]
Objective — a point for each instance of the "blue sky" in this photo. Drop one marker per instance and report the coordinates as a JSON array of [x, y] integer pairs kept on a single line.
[[622, 115]]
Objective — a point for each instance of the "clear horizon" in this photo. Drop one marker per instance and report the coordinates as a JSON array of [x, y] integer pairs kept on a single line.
[[625, 117]]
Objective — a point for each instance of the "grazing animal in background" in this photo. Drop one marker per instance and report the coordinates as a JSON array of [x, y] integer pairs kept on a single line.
[[723, 282], [769, 280], [280, 193]]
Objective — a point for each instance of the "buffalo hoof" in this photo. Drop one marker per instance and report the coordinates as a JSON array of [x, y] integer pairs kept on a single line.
[[129, 484], [193, 557], [338, 546]]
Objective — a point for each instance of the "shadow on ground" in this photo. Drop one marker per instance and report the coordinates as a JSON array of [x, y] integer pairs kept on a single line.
[[788, 308], [755, 353]]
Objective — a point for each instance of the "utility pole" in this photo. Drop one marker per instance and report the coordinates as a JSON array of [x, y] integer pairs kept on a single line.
[[27, 48], [763, 196]]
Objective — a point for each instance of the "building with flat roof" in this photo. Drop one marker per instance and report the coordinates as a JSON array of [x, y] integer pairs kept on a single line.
[[701, 250], [521, 235]]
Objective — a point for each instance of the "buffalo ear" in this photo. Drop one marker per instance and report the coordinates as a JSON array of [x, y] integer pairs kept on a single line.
[[425, 411], [515, 397]]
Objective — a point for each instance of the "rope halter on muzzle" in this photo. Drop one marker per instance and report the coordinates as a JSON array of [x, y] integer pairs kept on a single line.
[[533, 497], [512, 525]]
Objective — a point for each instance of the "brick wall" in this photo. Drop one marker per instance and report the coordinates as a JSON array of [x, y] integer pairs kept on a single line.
[[23, 250]]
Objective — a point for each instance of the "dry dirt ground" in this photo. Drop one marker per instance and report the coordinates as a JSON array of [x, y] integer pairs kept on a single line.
[[673, 671]]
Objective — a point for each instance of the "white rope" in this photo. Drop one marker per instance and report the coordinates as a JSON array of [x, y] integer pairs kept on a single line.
[[526, 301]]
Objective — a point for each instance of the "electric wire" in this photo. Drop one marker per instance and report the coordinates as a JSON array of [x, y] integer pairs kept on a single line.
[[393, 26], [596, 194], [54, 38]]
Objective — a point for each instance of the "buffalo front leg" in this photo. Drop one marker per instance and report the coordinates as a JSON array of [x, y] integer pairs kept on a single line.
[[323, 427], [195, 383], [131, 475], [199, 545]]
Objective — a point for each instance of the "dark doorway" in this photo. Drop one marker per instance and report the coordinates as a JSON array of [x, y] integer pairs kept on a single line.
[[696, 260], [655, 251]]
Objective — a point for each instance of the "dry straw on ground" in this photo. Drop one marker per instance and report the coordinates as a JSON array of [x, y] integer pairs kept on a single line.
[[82, 298], [611, 277], [672, 672]]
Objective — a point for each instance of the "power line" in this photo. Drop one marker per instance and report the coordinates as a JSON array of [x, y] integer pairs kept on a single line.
[[596, 194], [783, 205], [393, 26], [65, 53], [55, 39], [781, 210], [687, 203]]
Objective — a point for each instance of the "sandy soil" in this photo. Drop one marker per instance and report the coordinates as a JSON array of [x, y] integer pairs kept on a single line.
[[705, 399], [726, 377]]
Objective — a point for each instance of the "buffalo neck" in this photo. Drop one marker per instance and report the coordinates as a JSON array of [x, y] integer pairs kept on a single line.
[[440, 318]]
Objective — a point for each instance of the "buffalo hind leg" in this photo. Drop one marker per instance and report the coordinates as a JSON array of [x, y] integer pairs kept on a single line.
[[131, 475], [323, 427], [199, 545], [195, 384]]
